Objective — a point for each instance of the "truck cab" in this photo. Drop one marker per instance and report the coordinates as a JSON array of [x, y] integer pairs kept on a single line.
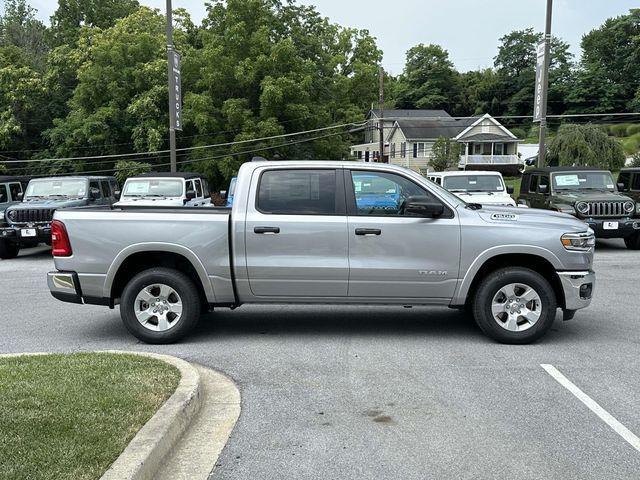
[[28, 223], [483, 187], [589, 194], [166, 189]]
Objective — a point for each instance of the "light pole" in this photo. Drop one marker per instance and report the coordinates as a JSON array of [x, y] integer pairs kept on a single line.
[[172, 111], [545, 86]]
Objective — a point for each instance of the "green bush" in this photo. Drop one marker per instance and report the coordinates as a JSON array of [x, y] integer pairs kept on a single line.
[[633, 129], [635, 161], [631, 144], [619, 130]]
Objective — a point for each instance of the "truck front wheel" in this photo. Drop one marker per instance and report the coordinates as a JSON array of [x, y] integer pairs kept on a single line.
[[514, 305], [160, 305], [8, 250]]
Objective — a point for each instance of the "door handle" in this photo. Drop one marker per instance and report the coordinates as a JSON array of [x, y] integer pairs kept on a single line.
[[368, 231], [271, 230]]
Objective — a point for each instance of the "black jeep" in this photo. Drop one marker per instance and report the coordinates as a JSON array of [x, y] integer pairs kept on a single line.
[[587, 193], [28, 223]]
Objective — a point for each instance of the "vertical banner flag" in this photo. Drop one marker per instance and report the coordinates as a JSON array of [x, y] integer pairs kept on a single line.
[[175, 91], [537, 103]]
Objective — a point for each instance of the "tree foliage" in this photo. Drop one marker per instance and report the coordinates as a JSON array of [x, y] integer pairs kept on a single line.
[[128, 168], [585, 145], [445, 154]]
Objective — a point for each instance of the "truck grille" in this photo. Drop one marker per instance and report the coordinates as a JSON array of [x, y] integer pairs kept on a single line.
[[31, 215], [606, 209]]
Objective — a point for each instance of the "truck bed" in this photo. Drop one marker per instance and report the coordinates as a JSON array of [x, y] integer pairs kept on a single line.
[[103, 239]]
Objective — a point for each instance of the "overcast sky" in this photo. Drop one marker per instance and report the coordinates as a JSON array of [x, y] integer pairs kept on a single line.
[[468, 29]]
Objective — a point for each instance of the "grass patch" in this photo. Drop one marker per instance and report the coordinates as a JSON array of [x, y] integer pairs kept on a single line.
[[515, 183], [70, 416]]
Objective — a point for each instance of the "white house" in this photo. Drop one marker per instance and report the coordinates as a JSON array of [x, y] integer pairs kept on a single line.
[[410, 135]]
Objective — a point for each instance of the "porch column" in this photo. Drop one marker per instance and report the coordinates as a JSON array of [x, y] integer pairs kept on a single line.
[[492, 149]]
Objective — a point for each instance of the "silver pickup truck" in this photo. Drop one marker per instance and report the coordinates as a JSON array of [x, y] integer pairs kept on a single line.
[[326, 233]]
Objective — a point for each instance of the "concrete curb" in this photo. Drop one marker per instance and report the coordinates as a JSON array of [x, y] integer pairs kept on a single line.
[[145, 454]]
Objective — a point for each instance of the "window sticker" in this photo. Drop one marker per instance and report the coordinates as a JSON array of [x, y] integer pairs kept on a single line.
[[567, 180]]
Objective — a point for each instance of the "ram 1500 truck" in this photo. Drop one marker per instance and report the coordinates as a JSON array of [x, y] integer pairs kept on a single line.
[[298, 233]]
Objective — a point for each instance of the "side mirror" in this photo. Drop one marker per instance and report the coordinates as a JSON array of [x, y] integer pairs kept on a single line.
[[117, 194], [621, 187], [510, 190], [543, 189], [94, 193], [191, 194], [422, 206], [223, 194], [20, 196]]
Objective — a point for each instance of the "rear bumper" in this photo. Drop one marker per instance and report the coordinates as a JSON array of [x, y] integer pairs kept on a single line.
[[65, 286], [626, 227], [578, 288]]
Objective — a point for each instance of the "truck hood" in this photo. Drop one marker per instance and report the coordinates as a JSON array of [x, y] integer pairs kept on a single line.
[[532, 217], [571, 198], [486, 198], [151, 202], [49, 203]]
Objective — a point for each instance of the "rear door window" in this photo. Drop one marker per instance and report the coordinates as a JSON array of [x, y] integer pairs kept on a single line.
[[106, 191], [4, 198], [198, 188], [635, 184], [533, 185], [297, 192]]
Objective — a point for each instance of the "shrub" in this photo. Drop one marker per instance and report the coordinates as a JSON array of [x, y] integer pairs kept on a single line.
[[631, 144], [635, 161], [619, 130], [633, 129], [444, 154]]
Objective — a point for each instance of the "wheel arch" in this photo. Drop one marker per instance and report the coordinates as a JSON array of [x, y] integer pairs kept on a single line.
[[537, 259], [139, 257]]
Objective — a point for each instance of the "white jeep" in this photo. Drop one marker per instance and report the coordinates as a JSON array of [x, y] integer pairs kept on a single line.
[[483, 187]]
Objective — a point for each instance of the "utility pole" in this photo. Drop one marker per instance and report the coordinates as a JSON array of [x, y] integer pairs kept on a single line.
[[381, 114], [542, 149], [172, 130]]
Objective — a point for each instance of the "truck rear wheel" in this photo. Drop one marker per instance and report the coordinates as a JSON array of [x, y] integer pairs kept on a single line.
[[633, 242], [514, 305], [8, 250], [160, 305]]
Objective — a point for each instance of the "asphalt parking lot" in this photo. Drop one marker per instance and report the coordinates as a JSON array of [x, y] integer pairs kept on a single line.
[[386, 392]]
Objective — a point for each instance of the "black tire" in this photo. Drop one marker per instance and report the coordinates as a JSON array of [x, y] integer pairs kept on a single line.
[[8, 250], [633, 242], [489, 288], [187, 292]]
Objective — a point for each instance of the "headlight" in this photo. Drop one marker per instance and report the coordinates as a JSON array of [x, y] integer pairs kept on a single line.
[[1, 216], [578, 242], [582, 208], [638, 208], [629, 207]]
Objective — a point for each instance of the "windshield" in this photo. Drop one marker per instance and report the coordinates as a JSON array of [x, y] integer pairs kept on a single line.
[[374, 185], [64, 188], [583, 181], [232, 186], [153, 188], [474, 183]]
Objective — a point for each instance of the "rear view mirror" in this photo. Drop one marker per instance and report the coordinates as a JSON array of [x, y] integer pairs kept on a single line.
[[510, 190], [422, 206]]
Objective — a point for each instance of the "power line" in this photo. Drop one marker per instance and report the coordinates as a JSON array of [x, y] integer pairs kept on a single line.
[[200, 147]]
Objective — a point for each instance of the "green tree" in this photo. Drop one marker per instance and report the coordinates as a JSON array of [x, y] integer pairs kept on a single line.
[[585, 145], [429, 80], [20, 28], [127, 168], [445, 154]]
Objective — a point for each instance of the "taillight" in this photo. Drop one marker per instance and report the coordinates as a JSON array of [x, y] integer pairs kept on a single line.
[[60, 245]]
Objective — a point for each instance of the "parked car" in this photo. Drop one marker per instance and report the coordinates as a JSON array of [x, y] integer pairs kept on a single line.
[[168, 189], [590, 194], [11, 192], [28, 223], [299, 233], [483, 187]]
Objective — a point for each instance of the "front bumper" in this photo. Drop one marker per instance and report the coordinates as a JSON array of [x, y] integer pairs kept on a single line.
[[578, 288], [18, 234], [626, 227]]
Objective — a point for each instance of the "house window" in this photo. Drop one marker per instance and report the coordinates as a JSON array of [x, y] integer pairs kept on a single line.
[[420, 149], [393, 150], [359, 154], [415, 150], [477, 149], [498, 149], [403, 149]]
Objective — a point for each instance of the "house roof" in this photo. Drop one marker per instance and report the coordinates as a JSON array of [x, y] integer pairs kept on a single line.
[[433, 128], [488, 137], [406, 113]]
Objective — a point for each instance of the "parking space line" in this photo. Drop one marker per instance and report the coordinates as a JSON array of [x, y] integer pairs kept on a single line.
[[605, 416]]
